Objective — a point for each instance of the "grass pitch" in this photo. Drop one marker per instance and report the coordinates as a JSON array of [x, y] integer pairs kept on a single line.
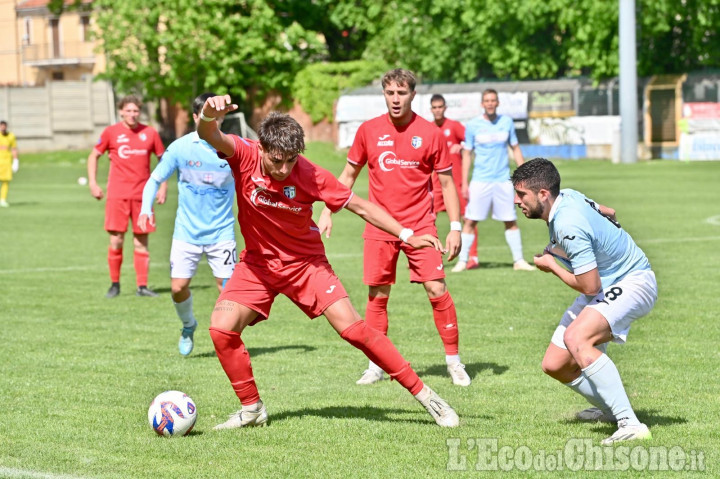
[[79, 371]]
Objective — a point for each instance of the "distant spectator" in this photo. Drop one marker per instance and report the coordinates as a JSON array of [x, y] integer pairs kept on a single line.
[[9, 163]]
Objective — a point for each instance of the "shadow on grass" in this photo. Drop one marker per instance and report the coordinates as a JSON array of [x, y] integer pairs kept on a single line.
[[166, 289], [254, 352], [650, 417], [483, 265], [352, 412], [473, 369]]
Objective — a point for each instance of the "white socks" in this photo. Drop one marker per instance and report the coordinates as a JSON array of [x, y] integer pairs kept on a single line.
[[467, 241], [455, 358], [605, 386], [514, 241], [185, 312]]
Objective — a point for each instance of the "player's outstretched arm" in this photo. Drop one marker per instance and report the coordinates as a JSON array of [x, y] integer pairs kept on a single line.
[[380, 218], [347, 178], [208, 130]]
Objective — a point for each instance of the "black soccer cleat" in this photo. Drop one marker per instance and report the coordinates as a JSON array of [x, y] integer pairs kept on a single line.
[[113, 291], [145, 291]]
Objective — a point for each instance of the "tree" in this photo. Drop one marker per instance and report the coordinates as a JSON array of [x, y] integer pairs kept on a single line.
[[178, 49]]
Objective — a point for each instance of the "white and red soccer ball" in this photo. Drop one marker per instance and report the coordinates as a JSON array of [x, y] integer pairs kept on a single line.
[[172, 413]]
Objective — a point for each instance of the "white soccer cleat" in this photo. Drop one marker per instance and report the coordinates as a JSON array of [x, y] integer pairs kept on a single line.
[[522, 265], [593, 414], [628, 433], [241, 418], [458, 374], [439, 409], [459, 267], [370, 376]]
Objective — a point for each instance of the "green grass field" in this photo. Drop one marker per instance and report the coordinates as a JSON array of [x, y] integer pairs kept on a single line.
[[78, 370]]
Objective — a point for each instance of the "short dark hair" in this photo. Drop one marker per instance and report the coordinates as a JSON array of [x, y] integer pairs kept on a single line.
[[437, 97], [401, 77], [489, 90], [134, 99], [538, 174], [280, 133], [3, 122], [198, 102]]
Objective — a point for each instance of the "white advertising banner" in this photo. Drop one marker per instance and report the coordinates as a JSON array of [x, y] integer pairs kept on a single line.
[[575, 130]]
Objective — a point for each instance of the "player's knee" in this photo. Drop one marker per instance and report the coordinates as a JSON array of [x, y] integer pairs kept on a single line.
[[574, 339]]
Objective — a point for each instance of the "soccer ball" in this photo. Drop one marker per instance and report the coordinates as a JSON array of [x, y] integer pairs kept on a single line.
[[172, 413]]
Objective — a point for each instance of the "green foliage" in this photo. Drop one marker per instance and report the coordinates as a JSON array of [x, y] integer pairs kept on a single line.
[[319, 85], [178, 49]]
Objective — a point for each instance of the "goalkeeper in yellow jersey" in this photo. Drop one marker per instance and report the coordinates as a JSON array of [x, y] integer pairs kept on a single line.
[[8, 161]]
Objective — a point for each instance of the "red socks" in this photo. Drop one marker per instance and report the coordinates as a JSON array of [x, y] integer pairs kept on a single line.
[[115, 259], [380, 350], [235, 360], [446, 322], [376, 314], [142, 265]]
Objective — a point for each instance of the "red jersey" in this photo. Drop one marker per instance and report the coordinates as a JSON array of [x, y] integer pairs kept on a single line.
[[276, 216], [400, 161], [454, 133], [129, 158]]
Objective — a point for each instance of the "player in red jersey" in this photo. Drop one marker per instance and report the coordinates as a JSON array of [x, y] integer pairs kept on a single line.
[[275, 189], [454, 133], [402, 150], [129, 144]]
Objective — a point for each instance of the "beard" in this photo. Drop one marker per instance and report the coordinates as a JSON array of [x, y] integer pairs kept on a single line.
[[535, 212]]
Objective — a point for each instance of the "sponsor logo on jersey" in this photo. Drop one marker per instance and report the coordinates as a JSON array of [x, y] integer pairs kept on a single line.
[[143, 136], [126, 152], [332, 288], [260, 197], [122, 138], [416, 142], [388, 161], [289, 191], [385, 140], [258, 180]]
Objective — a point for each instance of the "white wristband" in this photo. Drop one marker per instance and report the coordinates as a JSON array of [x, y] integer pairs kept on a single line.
[[405, 234], [205, 118], [455, 226]]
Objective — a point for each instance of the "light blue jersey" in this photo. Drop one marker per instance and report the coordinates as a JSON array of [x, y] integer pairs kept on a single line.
[[591, 240], [489, 140], [206, 189]]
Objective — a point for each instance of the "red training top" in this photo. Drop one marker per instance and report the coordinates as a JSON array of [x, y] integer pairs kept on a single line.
[[276, 216], [400, 161], [454, 133], [129, 158]]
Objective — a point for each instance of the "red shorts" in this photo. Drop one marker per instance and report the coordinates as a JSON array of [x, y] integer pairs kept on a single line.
[[311, 284], [380, 261], [117, 213]]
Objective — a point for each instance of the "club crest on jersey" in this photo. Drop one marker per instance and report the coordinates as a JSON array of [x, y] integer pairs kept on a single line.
[[447, 131], [289, 191], [416, 142], [143, 136], [208, 178]]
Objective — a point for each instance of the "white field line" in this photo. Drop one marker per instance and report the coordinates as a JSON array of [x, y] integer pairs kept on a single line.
[[23, 473], [100, 267]]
